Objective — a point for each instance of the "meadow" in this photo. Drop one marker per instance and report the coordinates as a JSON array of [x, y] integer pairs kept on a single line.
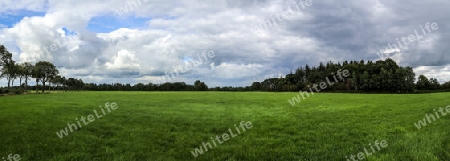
[[169, 125]]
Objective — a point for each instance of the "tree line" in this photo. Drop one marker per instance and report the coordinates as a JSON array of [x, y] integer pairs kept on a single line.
[[168, 86], [43, 72], [382, 76]]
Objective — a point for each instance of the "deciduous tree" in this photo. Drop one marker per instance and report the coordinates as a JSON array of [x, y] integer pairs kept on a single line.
[[45, 71]]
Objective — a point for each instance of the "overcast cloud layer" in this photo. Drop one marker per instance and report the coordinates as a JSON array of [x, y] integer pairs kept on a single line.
[[101, 41]]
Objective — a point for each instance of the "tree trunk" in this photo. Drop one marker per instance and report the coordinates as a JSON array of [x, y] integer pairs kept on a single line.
[[37, 83], [43, 86], [26, 84], [9, 85]]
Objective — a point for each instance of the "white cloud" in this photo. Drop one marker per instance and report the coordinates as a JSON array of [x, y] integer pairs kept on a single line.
[[124, 60]]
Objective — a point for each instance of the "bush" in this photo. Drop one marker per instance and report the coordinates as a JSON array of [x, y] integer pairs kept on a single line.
[[19, 91]]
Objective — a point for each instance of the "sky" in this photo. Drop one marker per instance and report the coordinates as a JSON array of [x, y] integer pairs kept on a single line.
[[222, 42]]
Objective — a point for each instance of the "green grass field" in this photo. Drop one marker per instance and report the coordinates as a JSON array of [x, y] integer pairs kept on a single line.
[[169, 125]]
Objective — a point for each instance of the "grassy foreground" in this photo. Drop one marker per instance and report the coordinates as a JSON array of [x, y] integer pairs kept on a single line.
[[169, 125]]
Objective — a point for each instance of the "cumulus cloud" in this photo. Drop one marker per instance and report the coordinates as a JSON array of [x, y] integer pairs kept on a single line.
[[123, 61]]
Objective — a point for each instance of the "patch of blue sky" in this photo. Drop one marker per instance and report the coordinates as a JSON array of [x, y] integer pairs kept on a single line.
[[106, 24], [69, 32], [187, 59], [10, 18]]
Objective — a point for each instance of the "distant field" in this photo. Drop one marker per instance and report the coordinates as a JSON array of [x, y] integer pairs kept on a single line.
[[169, 125]]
